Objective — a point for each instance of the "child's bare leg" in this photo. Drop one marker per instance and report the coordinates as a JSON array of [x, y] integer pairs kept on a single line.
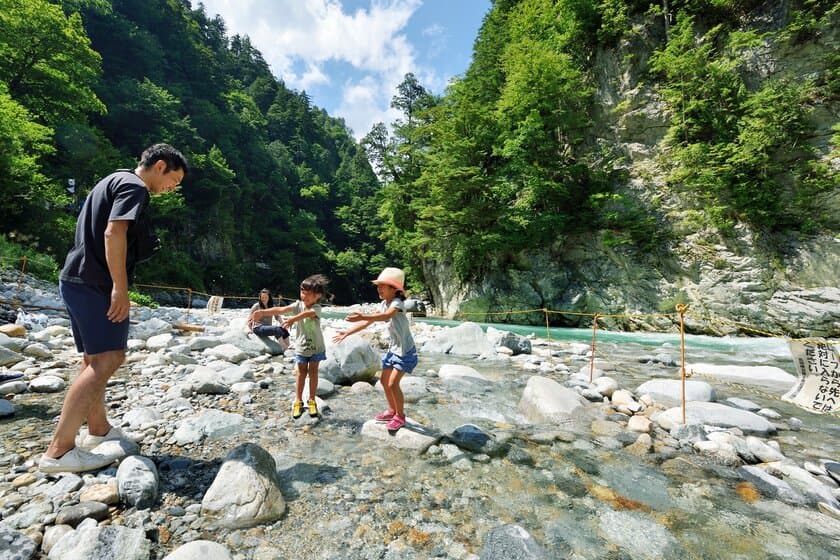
[[385, 380], [313, 379], [302, 371], [396, 392]]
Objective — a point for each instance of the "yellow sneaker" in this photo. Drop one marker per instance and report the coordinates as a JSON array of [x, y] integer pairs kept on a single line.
[[313, 407], [297, 409]]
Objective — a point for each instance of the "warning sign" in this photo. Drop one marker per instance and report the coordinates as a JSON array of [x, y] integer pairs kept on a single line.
[[818, 365]]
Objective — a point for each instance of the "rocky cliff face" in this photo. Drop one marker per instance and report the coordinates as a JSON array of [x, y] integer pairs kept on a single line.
[[778, 285]]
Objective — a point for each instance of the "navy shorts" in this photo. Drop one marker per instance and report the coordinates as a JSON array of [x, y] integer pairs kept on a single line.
[[405, 364], [88, 307], [319, 357], [271, 330]]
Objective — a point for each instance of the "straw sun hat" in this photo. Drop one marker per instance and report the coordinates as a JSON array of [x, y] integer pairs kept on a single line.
[[392, 277]]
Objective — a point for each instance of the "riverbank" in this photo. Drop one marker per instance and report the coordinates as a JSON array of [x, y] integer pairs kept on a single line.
[[510, 448]]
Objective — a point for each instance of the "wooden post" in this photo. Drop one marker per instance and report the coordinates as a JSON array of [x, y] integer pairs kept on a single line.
[[20, 280], [592, 358], [681, 309]]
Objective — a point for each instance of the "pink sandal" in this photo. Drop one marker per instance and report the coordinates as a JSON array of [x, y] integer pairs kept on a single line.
[[396, 422], [384, 416]]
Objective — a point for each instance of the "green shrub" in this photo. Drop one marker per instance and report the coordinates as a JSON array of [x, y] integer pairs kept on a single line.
[[142, 299], [669, 305], [40, 265]]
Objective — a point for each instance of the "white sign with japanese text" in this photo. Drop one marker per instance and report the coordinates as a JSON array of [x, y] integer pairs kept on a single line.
[[818, 365]]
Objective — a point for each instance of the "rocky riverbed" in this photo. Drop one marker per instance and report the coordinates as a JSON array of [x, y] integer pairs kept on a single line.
[[510, 451]]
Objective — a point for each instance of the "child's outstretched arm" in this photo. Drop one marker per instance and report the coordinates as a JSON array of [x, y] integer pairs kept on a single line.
[[271, 311], [289, 321], [364, 320]]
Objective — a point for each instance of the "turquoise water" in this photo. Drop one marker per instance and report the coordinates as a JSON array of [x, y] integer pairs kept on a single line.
[[744, 347]]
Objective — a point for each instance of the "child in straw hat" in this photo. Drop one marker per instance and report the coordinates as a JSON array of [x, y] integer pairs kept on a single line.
[[402, 355]]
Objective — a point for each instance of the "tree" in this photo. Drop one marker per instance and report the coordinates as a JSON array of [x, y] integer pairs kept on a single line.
[[48, 65]]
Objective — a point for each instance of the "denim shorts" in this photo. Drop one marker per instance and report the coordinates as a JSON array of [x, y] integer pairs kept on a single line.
[[405, 363], [319, 357], [88, 308]]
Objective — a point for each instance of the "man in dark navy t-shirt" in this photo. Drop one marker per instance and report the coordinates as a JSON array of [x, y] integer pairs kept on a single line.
[[111, 237]]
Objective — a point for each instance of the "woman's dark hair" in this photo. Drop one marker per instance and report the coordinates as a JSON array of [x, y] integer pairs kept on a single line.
[[173, 159], [400, 295], [317, 283], [270, 299]]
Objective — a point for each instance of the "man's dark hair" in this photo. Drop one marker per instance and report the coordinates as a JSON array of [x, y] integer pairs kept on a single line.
[[174, 159]]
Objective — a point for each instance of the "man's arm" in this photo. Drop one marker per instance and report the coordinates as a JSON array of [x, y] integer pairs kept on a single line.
[[116, 247]]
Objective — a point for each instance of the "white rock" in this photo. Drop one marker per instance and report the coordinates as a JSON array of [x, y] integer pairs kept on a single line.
[[546, 401]]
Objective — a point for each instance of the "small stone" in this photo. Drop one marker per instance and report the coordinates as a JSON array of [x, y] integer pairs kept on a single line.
[[103, 493], [24, 480]]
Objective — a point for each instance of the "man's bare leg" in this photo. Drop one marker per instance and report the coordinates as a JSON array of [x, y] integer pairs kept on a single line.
[[85, 400]]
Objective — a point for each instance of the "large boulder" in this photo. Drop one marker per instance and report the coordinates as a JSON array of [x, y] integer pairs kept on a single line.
[[467, 339], [109, 541], [716, 414], [351, 361], [670, 390], [545, 401], [246, 491]]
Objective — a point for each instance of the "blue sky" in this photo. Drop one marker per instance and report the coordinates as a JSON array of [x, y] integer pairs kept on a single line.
[[349, 55]]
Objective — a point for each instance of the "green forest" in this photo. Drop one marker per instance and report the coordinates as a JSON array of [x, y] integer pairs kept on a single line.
[[506, 159]]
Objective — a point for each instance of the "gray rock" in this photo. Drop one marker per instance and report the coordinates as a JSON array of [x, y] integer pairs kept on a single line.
[[14, 545], [670, 390], [453, 373], [716, 414], [14, 387], [639, 535], [810, 487], [199, 550], [228, 352], [763, 452], [743, 404], [246, 491], [6, 408], [206, 381], [352, 360], [467, 339], [833, 470], [138, 482], [9, 357], [147, 329], [236, 374], [771, 486], [411, 436], [67, 484], [474, 439], [511, 542], [545, 401], [111, 542], [137, 417], [53, 534], [28, 515], [518, 344], [210, 424], [74, 515], [47, 384]]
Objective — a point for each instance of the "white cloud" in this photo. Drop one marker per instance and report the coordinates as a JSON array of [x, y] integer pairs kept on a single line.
[[309, 33]]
